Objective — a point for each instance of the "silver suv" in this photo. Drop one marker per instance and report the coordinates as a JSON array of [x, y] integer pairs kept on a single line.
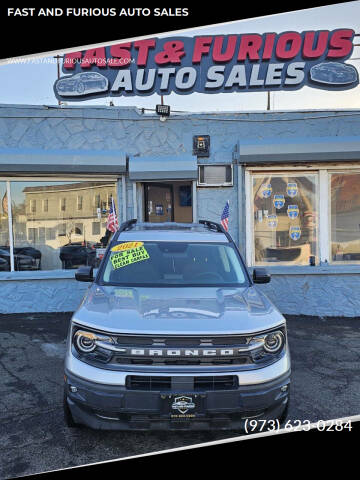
[[173, 334]]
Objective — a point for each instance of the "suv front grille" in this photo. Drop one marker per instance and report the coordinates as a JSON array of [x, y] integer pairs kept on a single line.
[[185, 341], [138, 382], [207, 383], [182, 350], [209, 361], [225, 382]]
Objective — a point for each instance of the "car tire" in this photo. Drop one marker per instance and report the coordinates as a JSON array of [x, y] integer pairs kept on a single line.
[[68, 416]]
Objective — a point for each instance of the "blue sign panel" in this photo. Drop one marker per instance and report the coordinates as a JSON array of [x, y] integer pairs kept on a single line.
[[295, 233], [265, 190], [272, 221], [279, 201], [292, 189], [293, 211]]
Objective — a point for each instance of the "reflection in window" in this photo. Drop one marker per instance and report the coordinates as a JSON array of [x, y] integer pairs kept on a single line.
[[4, 230], [42, 234], [50, 233], [53, 223], [97, 199], [345, 217], [62, 229], [79, 228], [285, 217], [32, 235], [96, 228]]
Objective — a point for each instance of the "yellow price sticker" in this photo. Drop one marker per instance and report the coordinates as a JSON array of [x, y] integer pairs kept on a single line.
[[126, 246]]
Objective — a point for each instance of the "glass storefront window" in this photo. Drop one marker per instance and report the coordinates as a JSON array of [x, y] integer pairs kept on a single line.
[[345, 217], [284, 218], [53, 223], [4, 230]]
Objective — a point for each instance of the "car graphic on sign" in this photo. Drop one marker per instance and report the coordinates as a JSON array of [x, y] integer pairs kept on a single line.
[[82, 84], [334, 73]]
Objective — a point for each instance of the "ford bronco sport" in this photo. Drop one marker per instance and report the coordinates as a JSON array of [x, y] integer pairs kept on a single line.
[[173, 334]]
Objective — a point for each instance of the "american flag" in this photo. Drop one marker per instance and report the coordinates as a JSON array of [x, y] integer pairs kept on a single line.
[[225, 216], [112, 222]]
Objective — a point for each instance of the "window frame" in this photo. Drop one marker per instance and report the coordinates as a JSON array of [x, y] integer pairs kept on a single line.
[[250, 250], [32, 206], [116, 180], [62, 202], [92, 227], [79, 203], [224, 184], [330, 172], [323, 206]]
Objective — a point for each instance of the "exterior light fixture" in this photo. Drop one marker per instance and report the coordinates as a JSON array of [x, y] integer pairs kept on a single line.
[[201, 145], [163, 110]]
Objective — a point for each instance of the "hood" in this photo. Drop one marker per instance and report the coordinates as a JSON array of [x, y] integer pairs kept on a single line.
[[177, 311]]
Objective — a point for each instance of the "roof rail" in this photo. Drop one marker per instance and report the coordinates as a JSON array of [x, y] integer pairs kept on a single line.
[[127, 225], [213, 225]]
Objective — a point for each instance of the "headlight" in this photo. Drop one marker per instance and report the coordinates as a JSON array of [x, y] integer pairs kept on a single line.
[[86, 342], [274, 342]]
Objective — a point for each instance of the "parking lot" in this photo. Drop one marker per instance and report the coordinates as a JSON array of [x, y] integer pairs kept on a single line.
[[325, 384]]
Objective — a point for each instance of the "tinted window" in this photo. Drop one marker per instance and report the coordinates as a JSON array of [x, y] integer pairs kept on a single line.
[[176, 263]]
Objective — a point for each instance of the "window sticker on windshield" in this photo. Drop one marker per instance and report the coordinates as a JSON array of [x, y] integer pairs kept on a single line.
[[126, 246], [123, 293], [127, 257]]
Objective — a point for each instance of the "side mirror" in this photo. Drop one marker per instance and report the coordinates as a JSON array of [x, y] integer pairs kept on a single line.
[[260, 275], [85, 274]]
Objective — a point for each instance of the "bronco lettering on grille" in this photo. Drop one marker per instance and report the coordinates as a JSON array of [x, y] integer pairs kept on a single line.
[[181, 352]]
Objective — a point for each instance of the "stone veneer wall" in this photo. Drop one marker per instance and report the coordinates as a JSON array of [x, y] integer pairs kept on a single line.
[[126, 129], [319, 295], [55, 291], [322, 295]]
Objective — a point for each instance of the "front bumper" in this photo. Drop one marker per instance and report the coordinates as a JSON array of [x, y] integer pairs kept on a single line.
[[115, 407]]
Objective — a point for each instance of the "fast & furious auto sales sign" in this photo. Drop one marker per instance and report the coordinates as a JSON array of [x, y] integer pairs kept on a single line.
[[211, 64]]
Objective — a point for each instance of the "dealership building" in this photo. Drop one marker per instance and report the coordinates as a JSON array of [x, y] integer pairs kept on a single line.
[[292, 180]]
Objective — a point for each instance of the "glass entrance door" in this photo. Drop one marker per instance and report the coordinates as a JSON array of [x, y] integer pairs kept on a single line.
[[159, 202]]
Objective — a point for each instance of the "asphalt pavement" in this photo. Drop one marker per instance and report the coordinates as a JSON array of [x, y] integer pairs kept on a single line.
[[33, 437]]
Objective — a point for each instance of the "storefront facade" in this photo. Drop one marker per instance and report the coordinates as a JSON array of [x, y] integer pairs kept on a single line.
[[292, 180]]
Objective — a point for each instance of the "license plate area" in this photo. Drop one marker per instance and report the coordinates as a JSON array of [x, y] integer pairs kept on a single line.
[[182, 406]]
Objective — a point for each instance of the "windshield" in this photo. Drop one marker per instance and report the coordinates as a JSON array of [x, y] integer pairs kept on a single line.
[[172, 263]]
